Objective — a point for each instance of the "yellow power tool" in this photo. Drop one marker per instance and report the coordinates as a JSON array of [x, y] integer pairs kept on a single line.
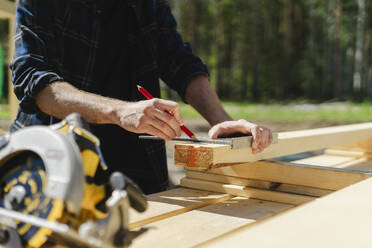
[[48, 194]]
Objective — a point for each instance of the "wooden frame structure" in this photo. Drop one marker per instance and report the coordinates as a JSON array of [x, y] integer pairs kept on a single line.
[[318, 201], [7, 11]]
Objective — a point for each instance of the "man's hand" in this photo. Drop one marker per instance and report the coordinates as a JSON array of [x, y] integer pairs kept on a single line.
[[262, 137], [138, 117], [150, 117]]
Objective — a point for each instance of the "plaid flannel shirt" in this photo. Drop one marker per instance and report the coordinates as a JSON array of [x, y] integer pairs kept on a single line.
[[57, 40]]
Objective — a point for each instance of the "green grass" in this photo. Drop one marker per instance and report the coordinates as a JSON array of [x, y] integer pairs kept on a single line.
[[288, 113], [292, 113]]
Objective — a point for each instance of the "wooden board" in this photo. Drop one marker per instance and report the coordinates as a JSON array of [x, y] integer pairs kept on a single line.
[[342, 219], [363, 147], [344, 153], [280, 187], [310, 176], [13, 101], [209, 155], [249, 192], [326, 160], [363, 164], [173, 202], [197, 226], [7, 9]]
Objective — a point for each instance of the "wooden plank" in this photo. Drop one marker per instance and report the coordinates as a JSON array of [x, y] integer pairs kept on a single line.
[[13, 101], [325, 160], [249, 192], [344, 153], [5, 15], [173, 202], [363, 164], [197, 226], [280, 187], [7, 9], [305, 175], [361, 146], [342, 219], [209, 155]]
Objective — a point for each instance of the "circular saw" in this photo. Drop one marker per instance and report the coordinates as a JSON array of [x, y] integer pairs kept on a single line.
[[48, 194], [23, 184]]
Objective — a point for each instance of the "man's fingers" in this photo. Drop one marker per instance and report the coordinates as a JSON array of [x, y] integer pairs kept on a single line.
[[261, 136], [163, 127], [172, 107], [224, 128], [156, 132], [169, 120]]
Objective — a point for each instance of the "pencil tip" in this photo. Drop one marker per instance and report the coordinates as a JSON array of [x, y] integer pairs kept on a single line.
[[138, 87]]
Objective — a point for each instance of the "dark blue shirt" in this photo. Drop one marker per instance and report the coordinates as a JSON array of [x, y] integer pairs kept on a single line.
[[65, 41]]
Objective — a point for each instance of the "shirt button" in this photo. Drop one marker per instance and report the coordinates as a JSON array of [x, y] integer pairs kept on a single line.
[[98, 11]]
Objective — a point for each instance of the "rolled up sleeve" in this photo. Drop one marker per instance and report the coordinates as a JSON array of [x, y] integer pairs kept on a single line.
[[178, 64], [33, 66]]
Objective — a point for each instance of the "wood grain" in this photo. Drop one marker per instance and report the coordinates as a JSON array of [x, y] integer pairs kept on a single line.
[[206, 156], [342, 219], [280, 187], [197, 226], [173, 202], [305, 175], [249, 192]]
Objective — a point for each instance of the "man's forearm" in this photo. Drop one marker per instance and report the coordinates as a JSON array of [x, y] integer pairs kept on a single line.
[[59, 99], [204, 99]]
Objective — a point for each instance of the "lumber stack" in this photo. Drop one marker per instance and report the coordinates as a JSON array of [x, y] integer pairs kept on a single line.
[[280, 182], [218, 168], [184, 218], [242, 201], [246, 199]]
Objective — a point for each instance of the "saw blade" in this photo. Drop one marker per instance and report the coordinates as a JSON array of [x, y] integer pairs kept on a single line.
[[22, 187]]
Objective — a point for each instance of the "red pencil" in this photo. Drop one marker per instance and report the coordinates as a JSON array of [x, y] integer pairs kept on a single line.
[[149, 96]]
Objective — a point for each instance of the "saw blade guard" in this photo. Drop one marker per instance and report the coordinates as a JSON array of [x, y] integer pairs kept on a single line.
[[61, 158]]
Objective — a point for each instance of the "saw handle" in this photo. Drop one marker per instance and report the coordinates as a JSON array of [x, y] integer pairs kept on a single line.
[[77, 120], [137, 199]]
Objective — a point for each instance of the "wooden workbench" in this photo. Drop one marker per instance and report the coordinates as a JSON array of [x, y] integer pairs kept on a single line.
[[252, 213]]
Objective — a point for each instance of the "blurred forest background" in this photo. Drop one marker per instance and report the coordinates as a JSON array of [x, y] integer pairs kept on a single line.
[[267, 50], [279, 50], [288, 64]]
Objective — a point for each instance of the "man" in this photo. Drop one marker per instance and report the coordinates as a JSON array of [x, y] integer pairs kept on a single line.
[[87, 56]]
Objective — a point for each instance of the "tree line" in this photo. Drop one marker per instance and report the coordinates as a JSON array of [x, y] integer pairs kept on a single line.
[[264, 50]]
